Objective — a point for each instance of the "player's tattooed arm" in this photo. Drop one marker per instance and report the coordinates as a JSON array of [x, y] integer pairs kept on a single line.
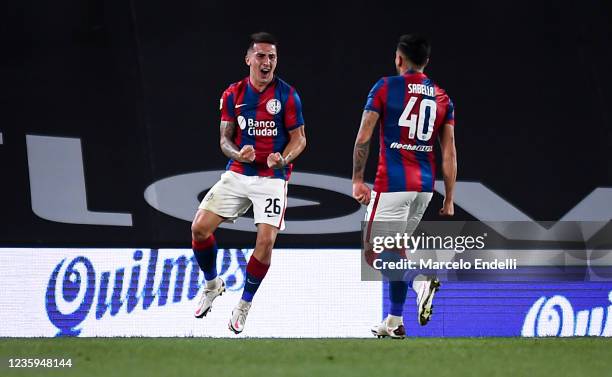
[[246, 154], [360, 157], [361, 151], [227, 134]]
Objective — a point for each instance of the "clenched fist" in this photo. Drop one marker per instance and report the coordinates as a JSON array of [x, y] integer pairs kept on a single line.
[[448, 208], [246, 154], [361, 193], [276, 161]]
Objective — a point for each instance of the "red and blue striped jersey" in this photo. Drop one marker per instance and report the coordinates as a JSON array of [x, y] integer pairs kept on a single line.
[[412, 110], [264, 120]]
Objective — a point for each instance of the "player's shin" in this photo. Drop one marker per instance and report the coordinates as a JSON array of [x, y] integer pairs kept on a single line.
[[206, 255], [397, 297], [398, 287], [255, 273]]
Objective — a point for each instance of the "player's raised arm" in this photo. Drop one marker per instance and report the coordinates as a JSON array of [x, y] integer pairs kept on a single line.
[[369, 119], [449, 167], [229, 149]]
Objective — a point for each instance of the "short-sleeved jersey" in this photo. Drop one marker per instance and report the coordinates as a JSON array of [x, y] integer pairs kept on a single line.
[[263, 120], [412, 110]]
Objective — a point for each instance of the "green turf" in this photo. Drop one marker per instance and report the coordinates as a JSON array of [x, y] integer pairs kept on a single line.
[[314, 357]]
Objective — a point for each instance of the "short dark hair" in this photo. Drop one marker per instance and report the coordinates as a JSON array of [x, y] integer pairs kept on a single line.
[[262, 37], [415, 47]]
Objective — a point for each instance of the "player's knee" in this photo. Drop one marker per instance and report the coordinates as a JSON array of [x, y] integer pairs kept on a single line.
[[265, 242], [200, 232]]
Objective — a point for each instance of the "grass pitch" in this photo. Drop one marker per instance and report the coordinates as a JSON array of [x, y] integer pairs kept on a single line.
[[313, 357]]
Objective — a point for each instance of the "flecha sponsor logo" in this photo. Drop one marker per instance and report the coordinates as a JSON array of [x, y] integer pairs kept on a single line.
[[77, 290], [411, 147], [555, 316]]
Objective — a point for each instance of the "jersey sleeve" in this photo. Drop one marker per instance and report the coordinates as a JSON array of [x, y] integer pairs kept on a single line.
[[450, 113], [293, 111], [375, 97], [226, 105]]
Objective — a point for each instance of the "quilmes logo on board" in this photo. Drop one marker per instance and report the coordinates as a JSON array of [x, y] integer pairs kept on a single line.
[[555, 316], [76, 289]]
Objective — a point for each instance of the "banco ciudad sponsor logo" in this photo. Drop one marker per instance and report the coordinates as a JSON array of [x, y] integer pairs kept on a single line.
[[257, 127]]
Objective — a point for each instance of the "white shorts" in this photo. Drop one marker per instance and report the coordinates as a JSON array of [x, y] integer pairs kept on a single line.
[[233, 195], [390, 213]]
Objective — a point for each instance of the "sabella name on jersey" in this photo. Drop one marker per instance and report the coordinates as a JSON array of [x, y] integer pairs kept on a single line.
[[421, 89]]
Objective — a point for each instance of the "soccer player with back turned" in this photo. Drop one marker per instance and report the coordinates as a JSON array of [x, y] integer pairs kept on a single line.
[[269, 136], [412, 112]]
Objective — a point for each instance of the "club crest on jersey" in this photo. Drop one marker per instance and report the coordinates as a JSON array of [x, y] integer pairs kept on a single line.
[[273, 106]]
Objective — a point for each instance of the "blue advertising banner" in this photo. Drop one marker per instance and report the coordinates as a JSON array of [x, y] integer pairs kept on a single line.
[[513, 309]]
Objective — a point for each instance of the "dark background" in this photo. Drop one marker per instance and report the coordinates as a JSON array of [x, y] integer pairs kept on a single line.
[[139, 82]]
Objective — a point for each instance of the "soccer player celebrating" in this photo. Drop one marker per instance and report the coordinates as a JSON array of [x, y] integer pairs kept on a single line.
[[413, 112], [270, 135]]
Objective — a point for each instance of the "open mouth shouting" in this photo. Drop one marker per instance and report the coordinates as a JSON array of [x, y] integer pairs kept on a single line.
[[265, 73]]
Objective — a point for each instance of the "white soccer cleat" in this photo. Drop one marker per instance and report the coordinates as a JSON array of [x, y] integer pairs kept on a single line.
[[208, 296], [425, 288], [387, 329], [239, 315]]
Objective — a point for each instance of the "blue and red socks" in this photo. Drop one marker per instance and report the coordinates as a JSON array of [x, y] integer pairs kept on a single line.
[[397, 297], [206, 255], [255, 273], [398, 286]]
